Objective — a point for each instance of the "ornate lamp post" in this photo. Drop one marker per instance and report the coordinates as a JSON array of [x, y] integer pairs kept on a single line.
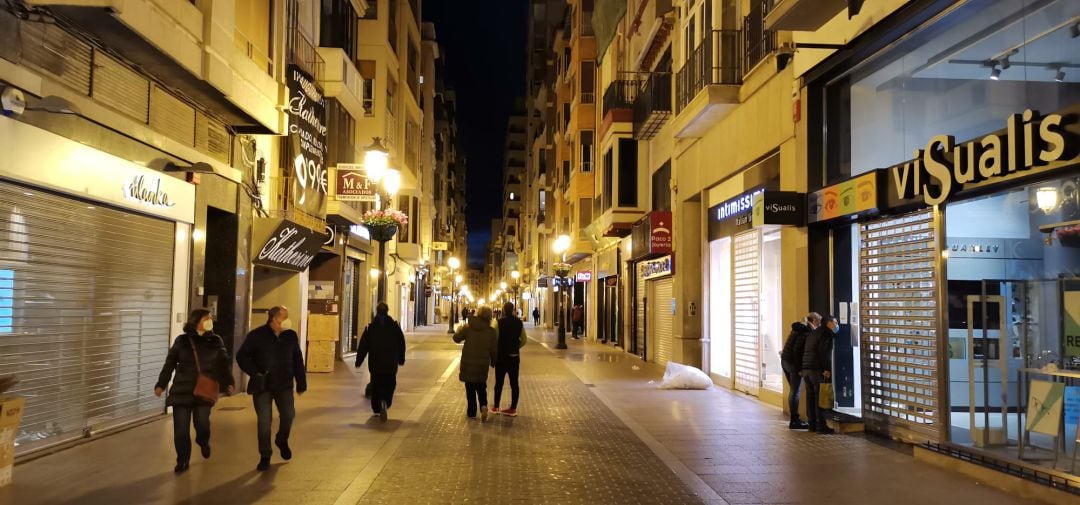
[[561, 271], [453, 263], [383, 224], [516, 276]]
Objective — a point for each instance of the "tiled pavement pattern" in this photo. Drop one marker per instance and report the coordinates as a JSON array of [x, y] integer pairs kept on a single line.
[[566, 447]]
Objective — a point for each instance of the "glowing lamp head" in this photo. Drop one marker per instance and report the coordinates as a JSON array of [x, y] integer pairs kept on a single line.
[[376, 160], [562, 244], [392, 182], [503, 285], [453, 263], [1047, 199], [515, 275]]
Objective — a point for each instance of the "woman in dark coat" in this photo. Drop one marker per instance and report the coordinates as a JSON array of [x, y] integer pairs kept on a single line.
[[214, 361], [477, 355]]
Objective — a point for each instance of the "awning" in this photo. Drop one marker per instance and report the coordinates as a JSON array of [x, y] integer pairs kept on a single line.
[[283, 244]]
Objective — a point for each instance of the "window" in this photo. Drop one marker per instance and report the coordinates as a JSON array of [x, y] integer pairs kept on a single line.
[[253, 32], [609, 178], [584, 215], [367, 72], [392, 26], [586, 151], [628, 196], [372, 11], [588, 82], [661, 188], [342, 134], [339, 26], [514, 197]]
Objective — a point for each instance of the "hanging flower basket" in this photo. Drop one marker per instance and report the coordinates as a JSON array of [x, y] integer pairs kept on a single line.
[[384, 224], [561, 269], [1069, 236]]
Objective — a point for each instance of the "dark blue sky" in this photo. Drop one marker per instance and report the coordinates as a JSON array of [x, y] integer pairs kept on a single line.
[[484, 51]]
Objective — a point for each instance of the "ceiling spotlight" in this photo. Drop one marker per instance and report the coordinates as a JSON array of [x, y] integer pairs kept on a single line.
[[1060, 76], [995, 73]]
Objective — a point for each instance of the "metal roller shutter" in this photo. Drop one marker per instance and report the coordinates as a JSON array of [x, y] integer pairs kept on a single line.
[[661, 318], [85, 304], [899, 313], [748, 312], [639, 312]]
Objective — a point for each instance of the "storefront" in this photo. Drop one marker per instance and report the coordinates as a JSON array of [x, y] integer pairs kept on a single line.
[[608, 313], [953, 271], [652, 286], [94, 265]]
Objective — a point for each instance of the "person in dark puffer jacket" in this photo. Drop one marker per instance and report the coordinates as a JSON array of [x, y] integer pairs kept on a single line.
[[511, 339], [817, 368], [180, 367], [479, 353], [791, 362]]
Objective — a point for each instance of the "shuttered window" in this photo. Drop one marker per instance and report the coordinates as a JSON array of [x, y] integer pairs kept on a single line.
[[85, 300], [748, 312], [898, 309]]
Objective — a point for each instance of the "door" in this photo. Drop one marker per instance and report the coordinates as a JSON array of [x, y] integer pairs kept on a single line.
[[640, 310], [661, 318], [747, 298]]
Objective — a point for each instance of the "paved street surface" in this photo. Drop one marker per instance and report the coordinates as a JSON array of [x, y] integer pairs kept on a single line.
[[593, 429]]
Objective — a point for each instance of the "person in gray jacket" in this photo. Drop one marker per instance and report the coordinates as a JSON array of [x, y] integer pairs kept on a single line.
[[477, 355]]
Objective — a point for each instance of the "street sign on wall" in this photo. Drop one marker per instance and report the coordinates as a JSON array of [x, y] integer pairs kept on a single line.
[[352, 184]]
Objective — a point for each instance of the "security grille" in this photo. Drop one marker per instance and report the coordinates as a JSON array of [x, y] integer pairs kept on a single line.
[[898, 309], [662, 318], [119, 87], [748, 311], [639, 311], [85, 300]]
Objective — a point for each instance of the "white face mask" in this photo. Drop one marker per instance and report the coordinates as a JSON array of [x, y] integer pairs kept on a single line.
[[208, 325], [286, 324]]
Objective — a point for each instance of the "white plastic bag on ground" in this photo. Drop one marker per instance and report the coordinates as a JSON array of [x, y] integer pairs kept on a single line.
[[678, 376]]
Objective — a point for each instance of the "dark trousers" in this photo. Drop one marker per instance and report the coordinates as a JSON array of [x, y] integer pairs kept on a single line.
[[382, 389], [475, 392], [814, 416], [536, 320], [507, 366], [794, 381], [579, 326], [183, 415], [264, 410]]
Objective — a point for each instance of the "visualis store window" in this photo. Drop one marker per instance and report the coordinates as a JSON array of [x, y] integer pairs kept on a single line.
[[959, 291]]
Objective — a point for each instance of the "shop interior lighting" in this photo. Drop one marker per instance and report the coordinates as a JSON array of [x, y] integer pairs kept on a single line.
[[1047, 199], [995, 73]]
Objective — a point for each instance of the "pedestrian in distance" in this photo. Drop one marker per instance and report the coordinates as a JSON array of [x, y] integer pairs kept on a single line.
[[817, 369], [578, 318], [791, 358], [200, 368], [464, 314], [477, 355], [536, 316], [383, 343], [512, 338], [271, 356]]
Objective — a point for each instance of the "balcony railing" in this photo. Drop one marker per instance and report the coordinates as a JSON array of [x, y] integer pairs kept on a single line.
[[652, 107], [620, 94], [759, 41], [715, 61], [303, 53]]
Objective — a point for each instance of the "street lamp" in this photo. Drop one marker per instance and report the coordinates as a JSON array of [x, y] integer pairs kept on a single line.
[[376, 164], [560, 247], [454, 264], [516, 276]]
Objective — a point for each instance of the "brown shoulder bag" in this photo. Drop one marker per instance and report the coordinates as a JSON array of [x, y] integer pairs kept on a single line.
[[206, 388]]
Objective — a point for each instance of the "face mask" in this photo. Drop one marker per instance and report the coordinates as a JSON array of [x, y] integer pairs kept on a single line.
[[286, 324], [208, 325], [836, 329]]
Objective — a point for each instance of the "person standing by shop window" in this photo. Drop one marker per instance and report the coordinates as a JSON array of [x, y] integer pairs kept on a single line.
[[197, 350], [271, 356], [479, 353], [817, 369], [791, 361], [384, 343]]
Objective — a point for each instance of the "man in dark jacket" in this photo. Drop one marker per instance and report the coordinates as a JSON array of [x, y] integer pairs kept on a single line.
[[385, 343], [791, 362], [511, 339], [817, 368], [271, 356]]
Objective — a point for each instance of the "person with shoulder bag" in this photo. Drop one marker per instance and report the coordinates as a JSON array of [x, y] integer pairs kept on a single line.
[[791, 359], [200, 369]]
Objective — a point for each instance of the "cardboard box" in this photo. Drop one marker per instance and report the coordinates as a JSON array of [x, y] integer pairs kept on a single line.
[[321, 356], [5, 475], [11, 411], [323, 328]]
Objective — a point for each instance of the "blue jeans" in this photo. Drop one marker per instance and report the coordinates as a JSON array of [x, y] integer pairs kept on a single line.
[[263, 409], [182, 418]]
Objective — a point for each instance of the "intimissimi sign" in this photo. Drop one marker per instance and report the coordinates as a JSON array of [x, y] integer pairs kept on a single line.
[[1028, 142]]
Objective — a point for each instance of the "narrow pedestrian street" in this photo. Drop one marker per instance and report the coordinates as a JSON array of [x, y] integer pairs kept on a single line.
[[592, 428]]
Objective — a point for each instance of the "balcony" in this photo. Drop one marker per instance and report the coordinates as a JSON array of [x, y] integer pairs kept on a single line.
[[804, 15], [340, 79], [652, 107], [760, 42], [302, 53], [707, 86], [619, 101]]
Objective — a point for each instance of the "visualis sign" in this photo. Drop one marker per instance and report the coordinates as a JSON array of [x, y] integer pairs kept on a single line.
[[291, 247], [943, 168]]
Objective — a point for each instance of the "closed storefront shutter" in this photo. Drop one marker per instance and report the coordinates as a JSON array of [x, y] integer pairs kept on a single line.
[[85, 304], [639, 311], [747, 312], [899, 313], [661, 318]]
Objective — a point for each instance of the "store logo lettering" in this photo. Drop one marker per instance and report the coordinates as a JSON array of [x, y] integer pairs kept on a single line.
[[147, 194], [740, 204], [942, 167], [276, 250]]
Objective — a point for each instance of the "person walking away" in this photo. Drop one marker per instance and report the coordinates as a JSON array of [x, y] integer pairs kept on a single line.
[[477, 355], [536, 316], [791, 362], [512, 338], [271, 356], [816, 369], [198, 351], [384, 342], [578, 318]]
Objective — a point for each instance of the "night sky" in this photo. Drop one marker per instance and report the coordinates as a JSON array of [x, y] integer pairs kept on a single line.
[[483, 46]]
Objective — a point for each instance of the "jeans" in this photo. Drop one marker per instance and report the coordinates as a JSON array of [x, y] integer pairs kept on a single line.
[[182, 417], [794, 381], [509, 365], [815, 418], [382, 388], [264, 411], [475, 392]]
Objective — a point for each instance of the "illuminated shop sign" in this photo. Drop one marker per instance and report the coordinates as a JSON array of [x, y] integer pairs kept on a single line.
[[852, 197], [755, 208], [659, 267]]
